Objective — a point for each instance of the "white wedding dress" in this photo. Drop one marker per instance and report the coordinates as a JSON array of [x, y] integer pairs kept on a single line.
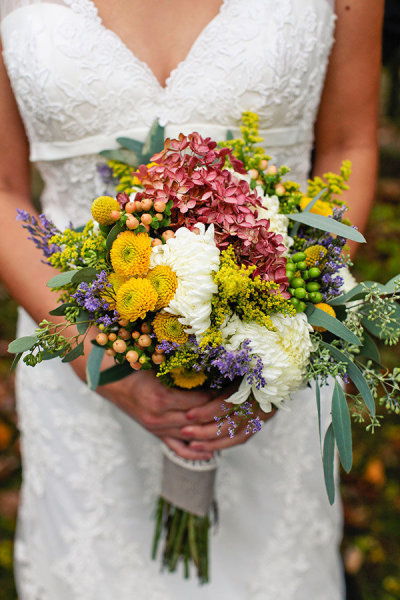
[[91, 474]]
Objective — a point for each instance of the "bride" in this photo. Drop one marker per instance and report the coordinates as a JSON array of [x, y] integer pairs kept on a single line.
[[79, 73]]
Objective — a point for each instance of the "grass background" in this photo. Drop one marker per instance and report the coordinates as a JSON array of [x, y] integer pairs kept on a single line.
[[371, 493]]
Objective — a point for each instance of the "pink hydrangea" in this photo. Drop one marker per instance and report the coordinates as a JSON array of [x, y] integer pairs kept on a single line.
[[191, 172]]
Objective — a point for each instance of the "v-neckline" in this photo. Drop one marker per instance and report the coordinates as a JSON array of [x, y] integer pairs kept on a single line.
[[142, 63]]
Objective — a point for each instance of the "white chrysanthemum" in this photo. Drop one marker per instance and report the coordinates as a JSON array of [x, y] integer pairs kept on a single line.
[[194, 258], [278, 223], [284, 353]]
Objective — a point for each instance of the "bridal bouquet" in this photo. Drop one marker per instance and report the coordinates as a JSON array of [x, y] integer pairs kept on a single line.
[[212, 269]]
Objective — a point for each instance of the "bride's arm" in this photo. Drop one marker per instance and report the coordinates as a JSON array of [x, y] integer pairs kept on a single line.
[[141, 396], [348, 116]]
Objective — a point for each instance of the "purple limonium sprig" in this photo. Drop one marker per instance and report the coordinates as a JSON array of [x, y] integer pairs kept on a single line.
[[90, 296], [235, 417], [41, 230], [168, 347], [331, 282], [239, 363]]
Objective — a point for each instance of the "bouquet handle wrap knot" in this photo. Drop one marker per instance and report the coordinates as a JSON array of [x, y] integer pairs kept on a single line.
[[188, 484]]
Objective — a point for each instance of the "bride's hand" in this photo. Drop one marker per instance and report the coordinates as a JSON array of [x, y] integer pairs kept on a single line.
[[161, 410], [206, 435]]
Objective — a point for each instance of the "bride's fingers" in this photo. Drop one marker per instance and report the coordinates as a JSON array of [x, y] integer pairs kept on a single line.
[[206, 414], [241, 436], [185, 451]]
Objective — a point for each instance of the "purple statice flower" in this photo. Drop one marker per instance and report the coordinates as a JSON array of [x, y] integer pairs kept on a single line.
[[236, 416], [239, 363], [109, 319], [168, 347], [331, 282], [41, 231], [90, 297]]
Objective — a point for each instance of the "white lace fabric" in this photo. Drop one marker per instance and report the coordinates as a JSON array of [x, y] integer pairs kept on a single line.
[[91, 473]]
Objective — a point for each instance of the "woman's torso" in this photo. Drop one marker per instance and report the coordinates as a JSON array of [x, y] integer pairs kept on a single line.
[[79, 87]]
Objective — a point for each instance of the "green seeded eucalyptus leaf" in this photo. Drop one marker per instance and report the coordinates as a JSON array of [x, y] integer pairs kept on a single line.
[[328, 462], [327, 224], [342, 427], [112, 236], [87, 275], [60, 310], [115, 373], [355, 375], [62, 279], [319, 318], [22, 344], [74, 353], [82, 322], [93, 366]]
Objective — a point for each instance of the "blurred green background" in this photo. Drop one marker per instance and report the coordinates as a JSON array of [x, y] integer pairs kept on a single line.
[[371, 493]]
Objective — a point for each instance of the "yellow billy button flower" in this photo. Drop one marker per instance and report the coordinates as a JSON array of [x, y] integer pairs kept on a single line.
[[327, 308], [135, 299], [187, 379], [102, 208], [167, 327], [130, 254], [165, 283], [315, 255], [320, 207]]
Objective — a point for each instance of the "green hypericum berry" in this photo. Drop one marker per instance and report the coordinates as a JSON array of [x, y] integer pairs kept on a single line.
[[300, 293], [314, 272], [301, 307], [295, 302], [313, 286], [302, 265], [298, 257], [297, 282], [316, 297], [305, 275], [291, 291]]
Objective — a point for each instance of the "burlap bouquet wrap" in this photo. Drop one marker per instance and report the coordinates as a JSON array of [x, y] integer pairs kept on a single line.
[[188, 485]]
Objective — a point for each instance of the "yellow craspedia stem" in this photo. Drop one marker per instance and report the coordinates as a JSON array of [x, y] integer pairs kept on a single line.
[[319, 208], [130, 254], [327, 308], [102, 208], [165, 283], [187, 379], [315, 255], [135, 299], [167, 327]]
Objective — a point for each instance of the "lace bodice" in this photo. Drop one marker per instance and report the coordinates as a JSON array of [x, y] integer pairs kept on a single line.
[[79, 87]]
